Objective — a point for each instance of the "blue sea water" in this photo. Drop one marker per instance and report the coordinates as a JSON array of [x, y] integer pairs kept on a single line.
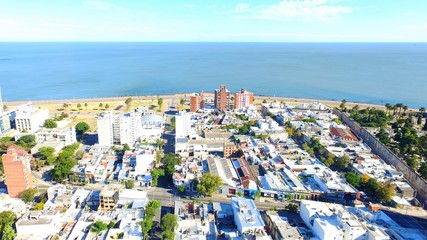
[[364, 72]]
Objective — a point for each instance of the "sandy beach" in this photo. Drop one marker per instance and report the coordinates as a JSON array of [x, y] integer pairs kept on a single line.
[[330, 103]]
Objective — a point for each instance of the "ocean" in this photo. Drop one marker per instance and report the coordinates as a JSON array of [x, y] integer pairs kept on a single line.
[[362, 72]]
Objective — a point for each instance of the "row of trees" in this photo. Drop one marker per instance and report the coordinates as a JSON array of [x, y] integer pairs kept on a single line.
[[150, 212], [169, 223]]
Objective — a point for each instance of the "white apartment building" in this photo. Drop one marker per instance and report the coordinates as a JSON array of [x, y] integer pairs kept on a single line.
[[119, 129], [65, 135], [331, 221], [183, 125], [30, 119]]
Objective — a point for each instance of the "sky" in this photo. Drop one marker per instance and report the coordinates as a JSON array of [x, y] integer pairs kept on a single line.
[[214, 20]]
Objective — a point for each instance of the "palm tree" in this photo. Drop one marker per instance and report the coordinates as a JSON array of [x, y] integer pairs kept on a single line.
[[398, 106], [160, 143], [342, 105], [86, 105], [405, 108], [388, 107], [181, 102]]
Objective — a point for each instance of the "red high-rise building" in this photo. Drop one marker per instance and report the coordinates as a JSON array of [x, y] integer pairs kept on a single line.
[[197, 102], [243, 99], [222, 99], [17, 171]]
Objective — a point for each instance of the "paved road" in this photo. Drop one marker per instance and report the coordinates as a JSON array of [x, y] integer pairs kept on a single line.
[[167, 198]]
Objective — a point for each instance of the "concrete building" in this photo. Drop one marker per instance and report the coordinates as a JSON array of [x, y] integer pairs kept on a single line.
[[280, 229], [109, 196], [7, 118], [30, 119], [243, 99], [197, 102], [65, 135], [17, 170], [183, 126], [151, 126], [222, 99], [119, 129], [331, 221], [246, 215]]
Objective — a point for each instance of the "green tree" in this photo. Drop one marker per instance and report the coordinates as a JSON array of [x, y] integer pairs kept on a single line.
[[419, 119], [126, 147], [364, 180], [99, 226], [107, 106], [150, 212], [46, 152], [111, 224], [160, 103], [39, 206], [352, 178], [8, 233], [209, 184], [28, 195], [160, 143], [383, 136], [129, 184], [65, 105], [128, 102], [385, 191], [27, 141], [342, 162], [169, 222], [82, 127], [423, 170], [412, 162], [173, 123], [7, 218], [182, 188], [257, 194], [292, 208], [101, 105], [342, 105], [65, 161], [86, 106], [79, 105], [50, 123], [155, 174], [182, 102], [168, 235], [169, 161], [146, 225]]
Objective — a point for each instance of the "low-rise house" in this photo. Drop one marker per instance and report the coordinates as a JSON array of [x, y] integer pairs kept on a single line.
[[38, 224], [279, 227], [331, 221], [194, 221]]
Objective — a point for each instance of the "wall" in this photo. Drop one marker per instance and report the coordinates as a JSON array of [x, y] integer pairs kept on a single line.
[[386, 154]]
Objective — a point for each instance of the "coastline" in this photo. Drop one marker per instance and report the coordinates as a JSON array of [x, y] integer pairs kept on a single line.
[[290, 100]]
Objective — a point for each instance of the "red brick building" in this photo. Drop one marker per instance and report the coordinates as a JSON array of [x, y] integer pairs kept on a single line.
[[197, 102], [17, 170], [222, 98]]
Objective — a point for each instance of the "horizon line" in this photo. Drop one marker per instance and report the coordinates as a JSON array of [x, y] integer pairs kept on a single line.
[[125, 41]]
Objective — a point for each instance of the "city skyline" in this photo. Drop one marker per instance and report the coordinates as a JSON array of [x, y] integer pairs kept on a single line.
[[216, 21]]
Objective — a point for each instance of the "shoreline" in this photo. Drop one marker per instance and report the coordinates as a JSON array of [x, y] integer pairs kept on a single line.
[[328, 102]]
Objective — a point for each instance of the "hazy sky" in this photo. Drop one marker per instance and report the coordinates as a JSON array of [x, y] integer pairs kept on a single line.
[[210, 20]]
